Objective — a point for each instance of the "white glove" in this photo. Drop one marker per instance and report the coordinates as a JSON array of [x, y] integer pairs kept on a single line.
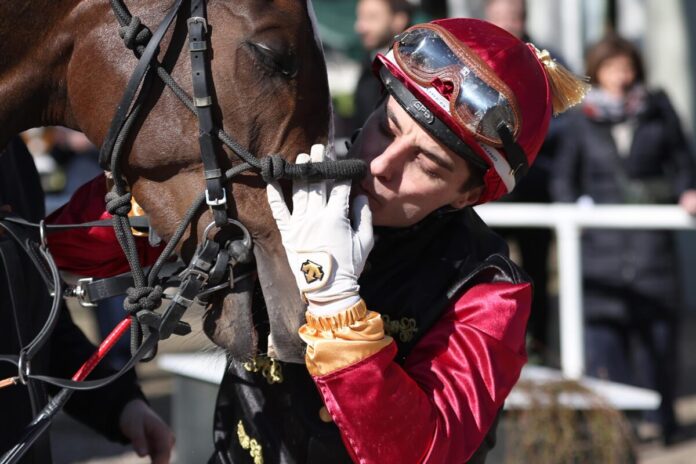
[[325, 253]]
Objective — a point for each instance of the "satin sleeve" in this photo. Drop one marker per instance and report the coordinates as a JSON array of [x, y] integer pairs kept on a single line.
[[439, 406]]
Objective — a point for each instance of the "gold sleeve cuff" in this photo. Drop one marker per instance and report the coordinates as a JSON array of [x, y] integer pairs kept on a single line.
[[342, 340]]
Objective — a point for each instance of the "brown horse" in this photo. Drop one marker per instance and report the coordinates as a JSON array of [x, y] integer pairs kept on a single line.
[[63, 63]]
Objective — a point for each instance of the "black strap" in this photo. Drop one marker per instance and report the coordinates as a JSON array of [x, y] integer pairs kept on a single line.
[[129, 95], [27, 240], [139, 222], [216, 196], [44, 263], [149, 343], [101, 289], [514, 153]]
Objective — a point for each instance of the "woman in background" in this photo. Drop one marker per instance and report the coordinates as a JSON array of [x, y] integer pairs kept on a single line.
[[625, 145]]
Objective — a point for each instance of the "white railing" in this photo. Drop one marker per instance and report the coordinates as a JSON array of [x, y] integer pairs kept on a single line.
[[567, 220]]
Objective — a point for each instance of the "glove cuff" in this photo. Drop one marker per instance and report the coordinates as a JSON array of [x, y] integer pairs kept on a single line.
[[344, 318]]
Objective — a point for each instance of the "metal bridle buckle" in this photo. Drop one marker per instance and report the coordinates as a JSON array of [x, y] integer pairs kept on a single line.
[[194, 273], [198, 19], [217, 201], [80, 293]]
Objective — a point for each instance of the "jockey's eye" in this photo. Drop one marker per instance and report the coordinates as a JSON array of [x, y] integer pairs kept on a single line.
[[275, 61]]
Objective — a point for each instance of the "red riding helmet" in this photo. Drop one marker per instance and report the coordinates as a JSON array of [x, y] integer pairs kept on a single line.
[[481, 91]]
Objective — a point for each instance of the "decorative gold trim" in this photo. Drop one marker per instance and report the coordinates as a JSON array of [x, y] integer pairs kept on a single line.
[[404, 328], [250, 444], [269, 368]]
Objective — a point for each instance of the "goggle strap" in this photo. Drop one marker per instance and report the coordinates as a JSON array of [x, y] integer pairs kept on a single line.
[[428, 120], [515, 154]]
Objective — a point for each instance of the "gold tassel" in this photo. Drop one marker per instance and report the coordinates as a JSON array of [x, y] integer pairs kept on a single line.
[[567, 89]]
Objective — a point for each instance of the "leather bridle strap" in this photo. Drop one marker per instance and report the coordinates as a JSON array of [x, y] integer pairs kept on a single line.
[[215, 194], [146, 58]]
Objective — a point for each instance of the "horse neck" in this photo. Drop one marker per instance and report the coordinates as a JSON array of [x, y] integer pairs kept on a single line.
[[35, 48]]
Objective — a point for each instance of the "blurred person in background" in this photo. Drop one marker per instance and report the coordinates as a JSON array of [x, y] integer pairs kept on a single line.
[[79, 162], [533, 243], [377, 22], [625, 145]]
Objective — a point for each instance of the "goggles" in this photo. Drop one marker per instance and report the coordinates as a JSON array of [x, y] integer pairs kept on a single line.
[[466, 87]]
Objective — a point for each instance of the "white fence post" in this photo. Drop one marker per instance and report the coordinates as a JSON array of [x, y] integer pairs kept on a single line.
[[570, 299]]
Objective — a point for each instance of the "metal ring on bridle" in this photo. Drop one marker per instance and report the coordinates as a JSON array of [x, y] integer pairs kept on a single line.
[[247, 236], [43, 234], [23, 368]]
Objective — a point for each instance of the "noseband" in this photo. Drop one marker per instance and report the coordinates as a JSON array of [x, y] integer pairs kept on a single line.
[[216, 259]]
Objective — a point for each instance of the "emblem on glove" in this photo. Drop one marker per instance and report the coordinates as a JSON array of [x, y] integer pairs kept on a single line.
[[312, 271]]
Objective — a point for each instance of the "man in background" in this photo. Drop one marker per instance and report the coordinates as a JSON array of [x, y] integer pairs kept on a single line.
[[377, 22], [533, 244]]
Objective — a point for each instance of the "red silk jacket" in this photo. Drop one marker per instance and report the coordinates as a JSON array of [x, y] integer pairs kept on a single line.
[[440, 405]]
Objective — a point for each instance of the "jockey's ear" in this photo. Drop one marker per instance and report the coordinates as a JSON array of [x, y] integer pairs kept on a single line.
[[467, 198]]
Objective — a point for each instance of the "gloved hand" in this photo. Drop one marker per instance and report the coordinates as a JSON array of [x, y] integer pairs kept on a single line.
[[326, 254]]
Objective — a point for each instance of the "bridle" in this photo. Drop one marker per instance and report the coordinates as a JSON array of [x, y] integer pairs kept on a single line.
[[216, 260]]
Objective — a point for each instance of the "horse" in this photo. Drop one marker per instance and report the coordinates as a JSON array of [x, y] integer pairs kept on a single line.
[[63, 63]]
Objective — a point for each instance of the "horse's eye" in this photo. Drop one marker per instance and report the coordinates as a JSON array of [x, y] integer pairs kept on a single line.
[[275, 61]]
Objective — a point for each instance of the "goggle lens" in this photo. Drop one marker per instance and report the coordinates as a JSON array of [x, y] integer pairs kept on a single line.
[[478, 99]]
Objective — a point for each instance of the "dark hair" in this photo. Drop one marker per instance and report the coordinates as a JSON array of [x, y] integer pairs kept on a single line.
[[523, 3], [610, 47], [401, 6], [475, 179]]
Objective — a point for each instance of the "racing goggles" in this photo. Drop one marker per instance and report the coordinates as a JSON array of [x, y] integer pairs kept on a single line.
[[466, 87]]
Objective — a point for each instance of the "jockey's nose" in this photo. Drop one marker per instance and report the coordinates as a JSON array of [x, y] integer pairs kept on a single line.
[[391, 161]]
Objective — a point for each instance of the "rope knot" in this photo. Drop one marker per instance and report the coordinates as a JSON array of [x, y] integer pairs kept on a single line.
[[272, 168], [135, 34], [118, 205], [148, 298]]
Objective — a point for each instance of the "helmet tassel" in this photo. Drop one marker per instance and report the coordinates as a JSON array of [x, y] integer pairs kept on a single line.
[[567, 89]]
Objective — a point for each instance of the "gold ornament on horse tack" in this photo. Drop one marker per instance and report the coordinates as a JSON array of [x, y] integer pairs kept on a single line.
[[312, 271], [269, 368], [567, 89], [248, 443]]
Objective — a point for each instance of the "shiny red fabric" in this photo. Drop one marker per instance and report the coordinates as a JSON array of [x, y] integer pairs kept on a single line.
[[95, 251], [440, 405]]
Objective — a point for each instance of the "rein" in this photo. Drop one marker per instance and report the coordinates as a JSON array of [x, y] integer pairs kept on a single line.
[[215, 260]]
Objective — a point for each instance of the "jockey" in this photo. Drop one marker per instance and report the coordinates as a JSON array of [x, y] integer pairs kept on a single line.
[[413, 345]]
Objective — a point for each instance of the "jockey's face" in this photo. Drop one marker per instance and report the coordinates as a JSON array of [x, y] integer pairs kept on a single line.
[[410, 173]]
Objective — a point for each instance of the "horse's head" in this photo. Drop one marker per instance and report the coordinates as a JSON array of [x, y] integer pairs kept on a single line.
[[270, 93]]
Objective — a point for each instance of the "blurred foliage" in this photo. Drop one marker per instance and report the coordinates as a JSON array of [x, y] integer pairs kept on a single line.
[[550, 431], [344, 104]]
